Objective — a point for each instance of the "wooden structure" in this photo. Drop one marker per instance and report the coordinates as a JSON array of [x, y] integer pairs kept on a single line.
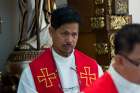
[[100, 19]]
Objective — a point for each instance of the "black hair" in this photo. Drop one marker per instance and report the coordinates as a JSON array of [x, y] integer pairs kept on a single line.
[[64, 15], [126, 38]]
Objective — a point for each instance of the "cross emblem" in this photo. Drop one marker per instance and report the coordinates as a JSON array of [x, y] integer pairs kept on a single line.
[[46, 78], [88, 76]]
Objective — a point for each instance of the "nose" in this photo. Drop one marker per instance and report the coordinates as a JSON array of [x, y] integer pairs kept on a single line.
[[69, 38]]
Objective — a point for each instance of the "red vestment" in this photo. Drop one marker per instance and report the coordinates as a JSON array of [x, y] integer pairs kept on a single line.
[[46, 76], [103, 85]]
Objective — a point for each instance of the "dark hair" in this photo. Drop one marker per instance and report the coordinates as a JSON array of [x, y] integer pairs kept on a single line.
[[126, 38], [64, 15]]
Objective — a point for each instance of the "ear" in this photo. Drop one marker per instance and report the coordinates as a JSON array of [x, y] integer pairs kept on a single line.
[[119, 60], [50, 30]]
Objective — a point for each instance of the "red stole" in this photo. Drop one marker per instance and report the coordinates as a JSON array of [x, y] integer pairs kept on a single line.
[[46, 77], [103, 85]]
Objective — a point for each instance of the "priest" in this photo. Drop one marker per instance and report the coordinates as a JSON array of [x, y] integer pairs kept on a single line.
[[61, 68]]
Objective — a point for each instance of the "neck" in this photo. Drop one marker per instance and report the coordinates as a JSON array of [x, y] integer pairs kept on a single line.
[[62, 54]]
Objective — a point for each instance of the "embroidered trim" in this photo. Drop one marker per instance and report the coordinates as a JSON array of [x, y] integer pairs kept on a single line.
[[46, 78], [88, 76]]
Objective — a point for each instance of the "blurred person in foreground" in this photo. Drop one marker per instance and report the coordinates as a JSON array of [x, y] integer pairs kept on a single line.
[[123, 75]]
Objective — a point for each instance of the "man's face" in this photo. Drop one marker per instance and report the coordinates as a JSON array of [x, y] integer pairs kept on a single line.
[[65, 38], [132, 64]]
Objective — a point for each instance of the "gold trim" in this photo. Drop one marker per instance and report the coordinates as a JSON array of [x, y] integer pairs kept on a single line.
[[88, 76], [46, 77]]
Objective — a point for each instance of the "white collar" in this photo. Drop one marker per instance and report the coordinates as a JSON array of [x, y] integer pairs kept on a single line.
[[56, 55], [123, 85], [64, 65]]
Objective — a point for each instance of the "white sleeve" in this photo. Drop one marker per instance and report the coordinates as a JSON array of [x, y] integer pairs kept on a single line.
[[100, 71], [26, 83]]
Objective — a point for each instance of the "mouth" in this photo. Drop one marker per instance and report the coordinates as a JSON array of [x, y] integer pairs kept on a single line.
[[68, 46]]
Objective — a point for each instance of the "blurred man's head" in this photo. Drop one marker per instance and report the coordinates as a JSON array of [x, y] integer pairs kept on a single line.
[[127, 38], [64, 30], [127, 50]]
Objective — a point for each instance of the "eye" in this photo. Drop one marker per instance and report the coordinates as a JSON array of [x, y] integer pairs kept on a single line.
[[65, 33], [74, 34]]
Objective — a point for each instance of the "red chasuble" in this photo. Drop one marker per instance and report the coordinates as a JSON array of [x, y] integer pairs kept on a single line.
[[46, 76], [103, 85]]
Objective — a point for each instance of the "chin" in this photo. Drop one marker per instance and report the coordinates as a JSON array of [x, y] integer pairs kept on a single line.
[[68, 53]]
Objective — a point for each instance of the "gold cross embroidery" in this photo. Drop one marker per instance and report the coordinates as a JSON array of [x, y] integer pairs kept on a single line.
[[46, 78], [88, 76]]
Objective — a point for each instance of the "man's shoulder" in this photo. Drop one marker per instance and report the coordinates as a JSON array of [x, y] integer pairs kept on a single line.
[[104, 79], [83, 55], [43, 56], [105, 83]]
